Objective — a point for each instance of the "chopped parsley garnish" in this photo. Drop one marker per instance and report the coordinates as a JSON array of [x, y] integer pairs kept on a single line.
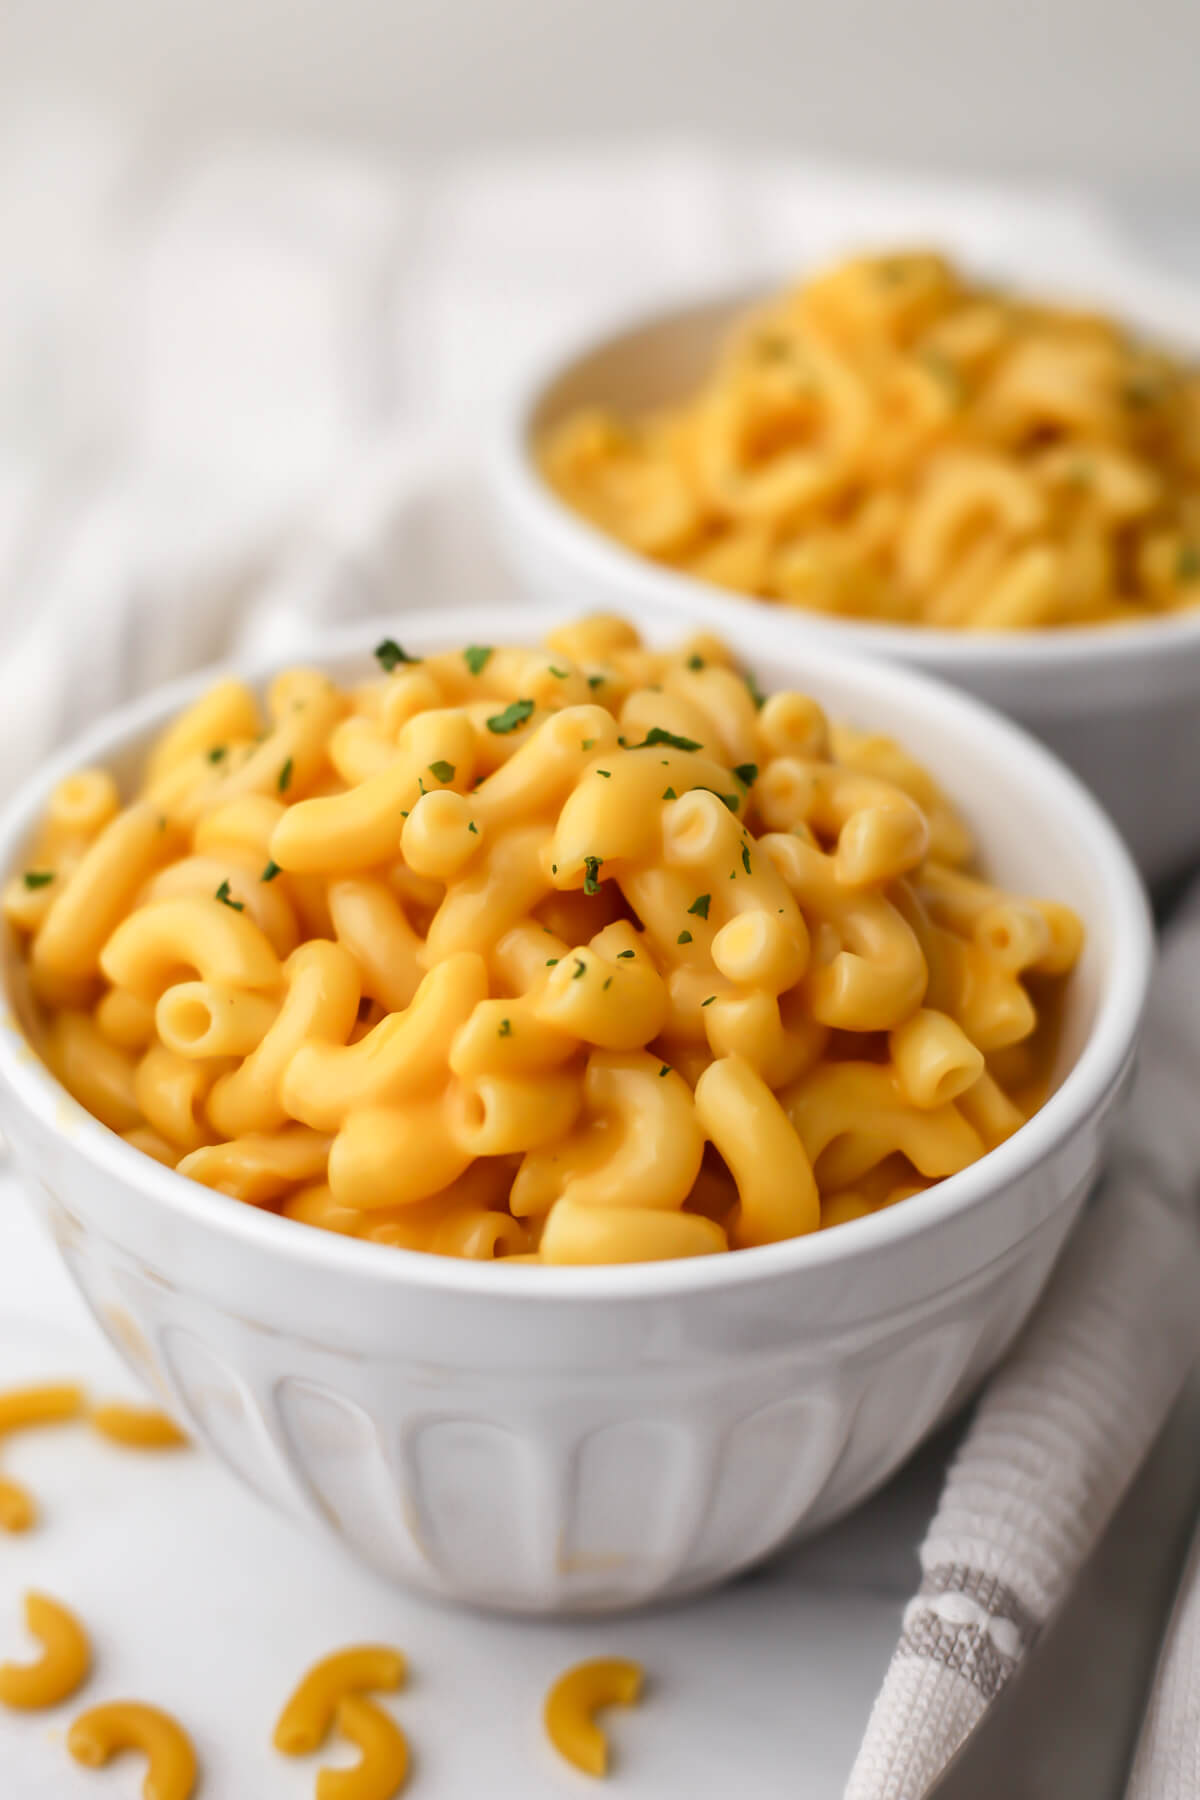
[[685, 937], [595, 681], [746, 857], [695, 662], [226, 899], [656, 735], [607, 984], [700, 905], [709, 1001], [217, 752], [729, 800], [552, 962], [1187, 563], [404, 814], [505, 1028], [512, 716], [389, 655], [623, 954], [591, 876], [665, 1070], [755, 692], [588, 744], [473, 827], [561, 674], [747, 773], [270, 872], [38, 878], [442, 769], [554, 868], [285, 776], [477, 657], [580, 968], [670, 794]]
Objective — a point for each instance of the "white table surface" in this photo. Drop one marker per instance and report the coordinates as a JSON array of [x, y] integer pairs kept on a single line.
[[200, 1599]]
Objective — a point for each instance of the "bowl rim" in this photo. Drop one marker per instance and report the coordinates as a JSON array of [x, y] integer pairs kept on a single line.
[[518, 479], [1019, 757]]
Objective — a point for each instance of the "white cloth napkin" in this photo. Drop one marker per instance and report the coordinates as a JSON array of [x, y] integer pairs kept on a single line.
[[1058, 1435]]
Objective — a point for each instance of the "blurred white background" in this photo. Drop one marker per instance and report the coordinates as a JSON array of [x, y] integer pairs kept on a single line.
[[1090, 88]]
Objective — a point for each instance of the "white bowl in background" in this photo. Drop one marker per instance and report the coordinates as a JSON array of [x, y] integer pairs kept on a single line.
[[581, 1439], [1121, 705]]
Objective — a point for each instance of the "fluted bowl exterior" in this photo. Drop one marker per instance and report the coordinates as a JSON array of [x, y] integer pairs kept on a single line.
[[575, 1440]]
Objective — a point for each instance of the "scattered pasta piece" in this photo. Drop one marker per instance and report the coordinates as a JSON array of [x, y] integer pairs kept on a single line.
[[384, 1764], [106, 1731], [51, 1404], [576, 1696], [18, 1509], [47, 1405], [63, 1665], [306, 1719], [137, 1427]]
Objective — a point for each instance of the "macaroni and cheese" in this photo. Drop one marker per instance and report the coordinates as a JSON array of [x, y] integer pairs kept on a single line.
[[584, 954], [892, 441]]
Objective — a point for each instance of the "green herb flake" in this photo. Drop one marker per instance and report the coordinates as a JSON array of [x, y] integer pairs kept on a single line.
[[217, 753], [746, 857], [656, 735], [588, 744], [747, 774], [607, 984], [709, 1001], [685, 937], [591, 876], [623, 955], [607, 773], [38, 878], [580, 968], [285, 776], [756, 693], [506, 1029], [477, 657], [559, 674], [389, 655], [226, 899], [552, 962], [695, 662], [442, 769], [665, 1070], [700, 905], [1187, 563], [596, 681], [554, 868], [404, 814], [512, 716], [473, 827], [670, 794], [270, 872]]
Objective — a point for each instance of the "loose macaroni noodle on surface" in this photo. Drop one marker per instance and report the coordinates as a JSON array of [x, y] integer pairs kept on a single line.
[[383, 1767], [575, 1697], [63, 1665], [584, 954], [97, 1736], [136, 1427], [892, 441], [53, 1404], [308, 1716]]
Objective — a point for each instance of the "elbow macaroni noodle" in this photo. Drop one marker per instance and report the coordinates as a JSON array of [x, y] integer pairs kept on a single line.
[[889, 441], [575, 1697], [583, 954], [97, 1736], [63, 1665]]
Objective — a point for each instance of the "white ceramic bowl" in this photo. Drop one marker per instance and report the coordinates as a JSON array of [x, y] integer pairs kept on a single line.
[[1121, 706], [582, 1439]]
